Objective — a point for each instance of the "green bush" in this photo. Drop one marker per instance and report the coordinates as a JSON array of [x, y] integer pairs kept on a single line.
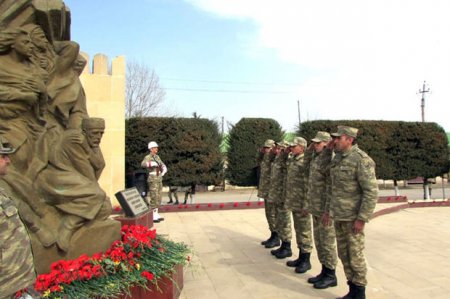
[[401, 150], [188, 146], [244, 140]]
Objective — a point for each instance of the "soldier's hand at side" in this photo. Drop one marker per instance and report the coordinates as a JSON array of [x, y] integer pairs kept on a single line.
[[326, 220], [358, 226]]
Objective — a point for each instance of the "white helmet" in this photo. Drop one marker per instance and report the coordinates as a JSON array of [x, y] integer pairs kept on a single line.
[[152, 144]]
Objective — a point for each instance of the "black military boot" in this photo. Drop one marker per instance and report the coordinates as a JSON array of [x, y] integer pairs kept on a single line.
[[271, 236], [275, 251], [285, 250], [360, 292], [176, 202], [305, 264], [317, 277], [296, 262], [351, 293], [328, 279], [274, 241]]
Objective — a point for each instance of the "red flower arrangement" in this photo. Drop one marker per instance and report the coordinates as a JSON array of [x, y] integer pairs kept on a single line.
[[141, 256]]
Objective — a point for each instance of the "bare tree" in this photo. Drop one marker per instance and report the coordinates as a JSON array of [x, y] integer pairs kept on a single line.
[[144, 94]]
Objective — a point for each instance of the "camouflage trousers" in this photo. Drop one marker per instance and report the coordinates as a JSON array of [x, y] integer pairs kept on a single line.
[[351, 252], [271, 214], [325, 241], [283, 224], [302, 226], [154, 191]]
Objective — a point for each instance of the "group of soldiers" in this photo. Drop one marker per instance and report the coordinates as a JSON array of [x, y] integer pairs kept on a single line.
[[330, 188]]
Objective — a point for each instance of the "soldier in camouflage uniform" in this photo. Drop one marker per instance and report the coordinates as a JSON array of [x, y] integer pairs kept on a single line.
[[324, 234], [354, 193], [296, 187], [17, 264], [277, 195], [157, 169], [263, 192]]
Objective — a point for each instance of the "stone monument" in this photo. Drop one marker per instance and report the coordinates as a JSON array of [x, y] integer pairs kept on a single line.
[[58, 162]]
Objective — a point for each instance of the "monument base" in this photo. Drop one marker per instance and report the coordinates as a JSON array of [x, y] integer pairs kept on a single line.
[[93, 237], [145, 219]]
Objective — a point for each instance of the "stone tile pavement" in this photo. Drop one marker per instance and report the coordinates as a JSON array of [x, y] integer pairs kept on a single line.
[[408, 254]]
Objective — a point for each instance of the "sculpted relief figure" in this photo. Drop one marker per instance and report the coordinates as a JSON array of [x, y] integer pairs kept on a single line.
[[22, 96], [55, 170], [69, 183], [22, 104]]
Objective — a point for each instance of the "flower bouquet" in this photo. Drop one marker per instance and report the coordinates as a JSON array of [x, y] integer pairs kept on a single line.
[[140, 258]]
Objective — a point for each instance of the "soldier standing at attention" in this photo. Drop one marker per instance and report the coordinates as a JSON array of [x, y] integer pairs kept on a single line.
[[156, 170], [354, 194], [17, 263], [296, 186], [277, 195], [263, 192], [324, 235]]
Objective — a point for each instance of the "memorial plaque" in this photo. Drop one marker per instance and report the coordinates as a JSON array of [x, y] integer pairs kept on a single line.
[[132, 203]]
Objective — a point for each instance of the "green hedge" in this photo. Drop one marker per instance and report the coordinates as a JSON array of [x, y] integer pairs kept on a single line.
[[401, 150], [188, 146], [244, 140]]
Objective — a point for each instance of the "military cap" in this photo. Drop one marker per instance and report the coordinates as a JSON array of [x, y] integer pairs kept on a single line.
[[269, 143], [346, 130], [299, 141], [321, 137], [282, 143], [6, 147]]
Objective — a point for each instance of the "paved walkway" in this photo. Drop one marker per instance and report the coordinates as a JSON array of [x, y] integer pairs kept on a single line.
[[408, 254]]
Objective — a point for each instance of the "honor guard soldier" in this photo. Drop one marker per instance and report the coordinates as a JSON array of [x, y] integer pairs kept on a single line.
[[156, 170]]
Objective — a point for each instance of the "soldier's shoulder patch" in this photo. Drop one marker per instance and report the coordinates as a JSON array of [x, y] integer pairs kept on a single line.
[[368, 163], [361, 153]]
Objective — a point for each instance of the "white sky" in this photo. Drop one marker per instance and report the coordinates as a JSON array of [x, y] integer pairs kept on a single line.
[[366, 59], [342, 59]]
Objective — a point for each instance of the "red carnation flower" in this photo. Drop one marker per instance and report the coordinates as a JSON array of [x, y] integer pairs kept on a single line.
[[147, 275]]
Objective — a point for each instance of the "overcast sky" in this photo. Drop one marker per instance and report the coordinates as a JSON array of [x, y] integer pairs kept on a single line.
[[347, 59]]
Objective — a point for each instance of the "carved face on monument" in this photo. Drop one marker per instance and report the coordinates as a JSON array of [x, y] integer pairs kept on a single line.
[[93, 129], [38, 37], [79, 64], [22, 45], [94, 136]]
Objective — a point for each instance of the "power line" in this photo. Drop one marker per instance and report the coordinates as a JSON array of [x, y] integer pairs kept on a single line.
[[228, 90], [228, 82]]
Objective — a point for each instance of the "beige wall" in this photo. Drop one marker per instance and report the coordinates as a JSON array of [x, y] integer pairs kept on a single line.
[[104, 85]]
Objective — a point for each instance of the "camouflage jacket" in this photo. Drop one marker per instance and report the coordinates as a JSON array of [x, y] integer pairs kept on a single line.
[[296, 184], [264, 180], [278, 179], [318, 172], [153, 169], [17, 264], [354, 188]]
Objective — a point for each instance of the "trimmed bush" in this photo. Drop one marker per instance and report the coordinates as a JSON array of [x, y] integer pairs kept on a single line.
[[401, 150], [245, 138], [188, 146]]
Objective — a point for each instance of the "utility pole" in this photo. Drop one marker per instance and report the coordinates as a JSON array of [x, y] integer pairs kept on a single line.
[[426, 187], [299, 118], [422, 104], [223, 120]]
